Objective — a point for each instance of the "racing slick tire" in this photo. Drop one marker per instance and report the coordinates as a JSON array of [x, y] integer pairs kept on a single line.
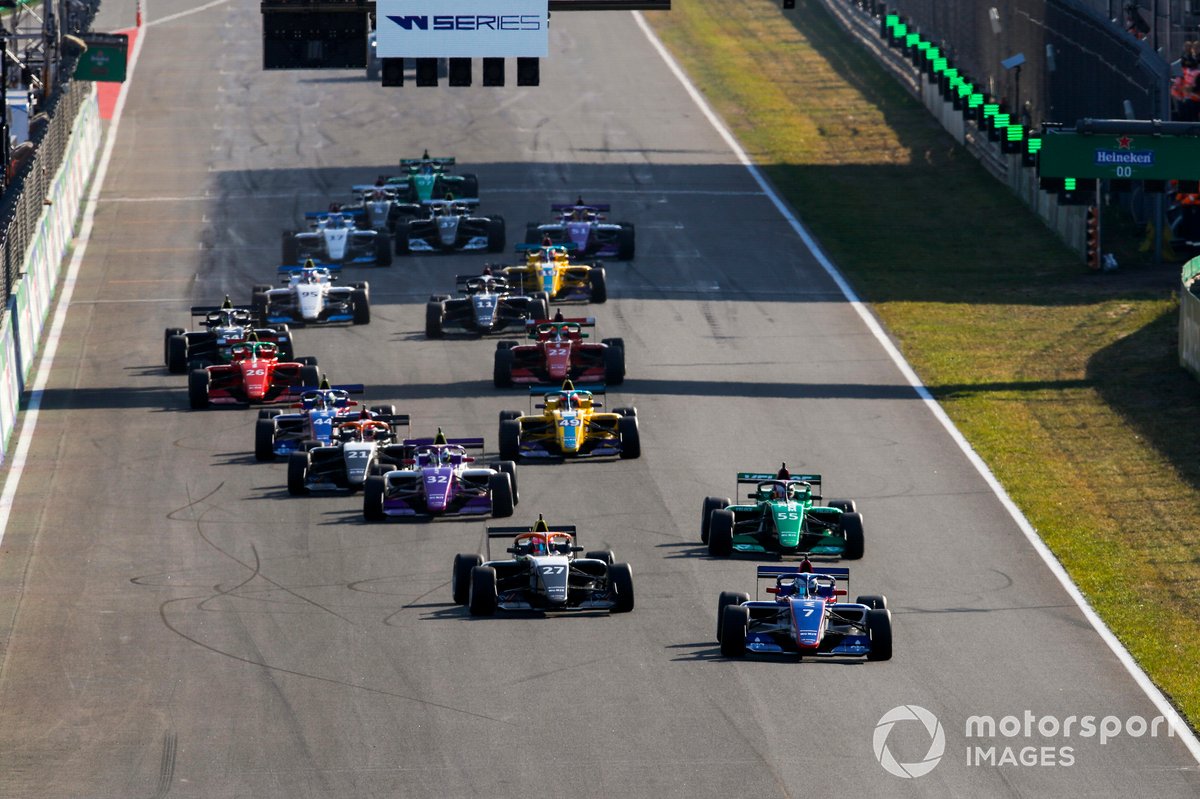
[[711, 504], [269, 413], [720, 533], [532, 234], [503, 367], [170, 331], [380, 468], [605, 555], [260, 288], [614, 366], [495, 234], [510, 439], [460, 578], [631, 440], [625, 242], [198, 389], [307, 360], [539, 309], [506, 344], [482, 599], [844, 505], [509, 415], [614, 342], [309, 444], [510, 468], [620, 582], [361, 306], [373, 491], [879, 630], [383, 250], [501, 490], [287, 347], [297, 475], [735, 623], [599, 283], [726, 599], [264, 439], [289, 251], [434, 311], [544, 296], [873, 601], [400, 237], [470, 187], [310, 375], [177, 350], [259, 304], [625, 411], [383, 410], [852, 531]]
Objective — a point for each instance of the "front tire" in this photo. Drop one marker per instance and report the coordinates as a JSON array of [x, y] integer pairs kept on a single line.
[[198, 389], [720, 534], [434, 312], [460, 578], [852, 531], [710, 504], [620, 581], [373, 491], [726, 599], [510, 440], [614, 366], [501, 490], [177, 354], [879, 629], [735, 624], [631, 439], [510, 468], [482, 599], [264, 439], [360, 304], [502, 368], [297, 475], [599, 283]]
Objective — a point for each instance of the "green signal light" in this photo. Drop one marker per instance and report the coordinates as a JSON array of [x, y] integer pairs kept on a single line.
[[1069, 184], [965, 89], [952, 73], [924, 46], [939, 64], [975, 100], [1033, 145], [991, 109], [911, 40], [1001, 121], [900, 30], [891, 20], [1015, 133], [933, 53]]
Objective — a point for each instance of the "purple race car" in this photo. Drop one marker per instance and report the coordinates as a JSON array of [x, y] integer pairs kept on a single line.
[[438, 478], [586, 227]]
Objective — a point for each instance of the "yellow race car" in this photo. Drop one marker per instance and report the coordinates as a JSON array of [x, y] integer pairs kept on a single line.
[[549, 270], [570, 424]]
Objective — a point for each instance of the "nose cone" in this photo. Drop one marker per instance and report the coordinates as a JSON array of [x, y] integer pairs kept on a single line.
[[439, 488], [255, 378]]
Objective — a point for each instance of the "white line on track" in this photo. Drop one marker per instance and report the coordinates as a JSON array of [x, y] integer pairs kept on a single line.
[[188, 13], [1151, 690], [533, 190], [12, 479]]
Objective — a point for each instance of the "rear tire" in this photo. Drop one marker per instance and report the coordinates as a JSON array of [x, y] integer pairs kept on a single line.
[[373, 491], [844, 505], [852, 530], [482, 599], [310, 376], [460, 578], [501, 490], [509, 415], [510, 440], [383, 250], [735, 623], [625, 242], [710, 504], [720, 534], [264, 439], [400, 237], [297, 476], [495, 235], [605, 555], [724, 600], [631, 439], [620, 581], [510, 468]]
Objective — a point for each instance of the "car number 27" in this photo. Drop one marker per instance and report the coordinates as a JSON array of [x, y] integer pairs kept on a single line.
[[553, 569]]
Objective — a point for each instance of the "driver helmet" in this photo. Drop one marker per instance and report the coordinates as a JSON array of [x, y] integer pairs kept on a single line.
[[779, 491]]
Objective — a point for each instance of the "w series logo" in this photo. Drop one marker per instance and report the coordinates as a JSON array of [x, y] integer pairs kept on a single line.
[[469, 22]]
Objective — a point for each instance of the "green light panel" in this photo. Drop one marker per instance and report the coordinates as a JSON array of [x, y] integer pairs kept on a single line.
[[991, 109], [1001, 121], [1033, 144], [1015, 132], [939, 65], [975, 100], [911, 40], [891, 20], [1069, 184]]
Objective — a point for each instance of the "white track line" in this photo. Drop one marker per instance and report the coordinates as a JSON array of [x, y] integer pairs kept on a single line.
[[12, 479], [1151, 690], [188, 13]]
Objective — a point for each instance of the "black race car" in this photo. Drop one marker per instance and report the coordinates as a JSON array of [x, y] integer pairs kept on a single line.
[[488, 307]]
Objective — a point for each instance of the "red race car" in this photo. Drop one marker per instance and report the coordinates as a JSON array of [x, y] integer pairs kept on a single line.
[[254, 376], [558, 352]]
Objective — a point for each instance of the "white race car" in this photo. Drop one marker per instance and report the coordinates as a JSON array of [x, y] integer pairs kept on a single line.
[[310, 297], [333, 240]]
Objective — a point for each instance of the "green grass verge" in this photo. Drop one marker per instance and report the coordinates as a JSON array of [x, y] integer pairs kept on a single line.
[[1067, 383]]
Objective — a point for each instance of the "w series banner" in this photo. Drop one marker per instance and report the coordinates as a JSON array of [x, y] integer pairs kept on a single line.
[[461, 28]]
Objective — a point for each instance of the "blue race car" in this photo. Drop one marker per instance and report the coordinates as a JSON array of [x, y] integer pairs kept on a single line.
[[804, 617], [320, 410]]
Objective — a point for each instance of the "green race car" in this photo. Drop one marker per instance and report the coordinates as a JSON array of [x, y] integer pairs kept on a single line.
[[427, 179], [785, 518]]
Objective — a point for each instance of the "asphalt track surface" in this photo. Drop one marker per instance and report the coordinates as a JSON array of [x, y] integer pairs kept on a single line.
[[176, 625]]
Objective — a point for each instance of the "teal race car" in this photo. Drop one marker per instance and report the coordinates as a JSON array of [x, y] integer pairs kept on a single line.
[[784, 518], [426, 178]]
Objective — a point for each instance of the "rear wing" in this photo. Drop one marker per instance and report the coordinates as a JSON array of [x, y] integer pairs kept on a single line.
[[532, 325], [205, 310], [758, 477], [354, 212], [602, 208], [840, 574], [569, 246], [349, 388], [513, 532], [406, 163], [465, 443], [468, 202], [595, 389], [287, 270]]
